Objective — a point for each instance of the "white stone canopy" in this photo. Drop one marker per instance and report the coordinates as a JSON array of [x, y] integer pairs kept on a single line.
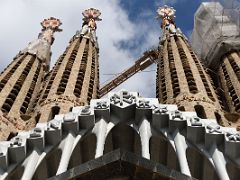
[[158, 132]]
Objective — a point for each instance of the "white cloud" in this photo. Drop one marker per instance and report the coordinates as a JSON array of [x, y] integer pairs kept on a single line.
[[168, 2], [20, 24]]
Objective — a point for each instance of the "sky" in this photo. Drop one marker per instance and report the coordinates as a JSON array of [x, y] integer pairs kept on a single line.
[[128, 28]]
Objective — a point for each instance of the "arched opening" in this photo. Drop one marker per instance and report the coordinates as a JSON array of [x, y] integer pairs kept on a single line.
[[199, 165], [11, 135], [83, 151], [181, 108], [124, 137], [54, 111], [162, 151], [218, 118], [25, 117], [200, 111], [37, 118], [233, 171]]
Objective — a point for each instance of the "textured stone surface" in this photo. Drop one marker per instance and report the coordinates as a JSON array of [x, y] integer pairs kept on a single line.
[[182, 80], [71, 84], [160, 133], [123, 164], [21, 82]]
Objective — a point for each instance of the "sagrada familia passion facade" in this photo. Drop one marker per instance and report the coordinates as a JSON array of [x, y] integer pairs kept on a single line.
[[55, 125]]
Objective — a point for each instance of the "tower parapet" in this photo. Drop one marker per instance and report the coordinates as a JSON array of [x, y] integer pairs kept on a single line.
[[21, 81], [74, 79], [181, 78]]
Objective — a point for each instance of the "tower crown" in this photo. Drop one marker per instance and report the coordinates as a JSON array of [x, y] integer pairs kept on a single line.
[[49, 26], [89, 26], [41, 46], [167, 14], [91, 13], [51, 23]]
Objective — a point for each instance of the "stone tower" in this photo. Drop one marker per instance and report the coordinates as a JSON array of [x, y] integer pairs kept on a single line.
[[181, 78], [74, 79], [229, 73], [21, 81], [219, 49]]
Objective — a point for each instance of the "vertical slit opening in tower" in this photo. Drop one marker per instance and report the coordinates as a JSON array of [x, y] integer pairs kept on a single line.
[[200, 111], [54, 111]]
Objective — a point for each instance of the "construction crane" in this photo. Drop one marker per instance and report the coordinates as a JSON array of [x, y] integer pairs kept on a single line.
[[148, 58]]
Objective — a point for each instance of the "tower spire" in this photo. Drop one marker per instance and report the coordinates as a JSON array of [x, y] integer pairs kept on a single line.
[[167, 15], [74, 79], [181, 77], [89, 26], [21, 81], [41, 46], [49, 26]]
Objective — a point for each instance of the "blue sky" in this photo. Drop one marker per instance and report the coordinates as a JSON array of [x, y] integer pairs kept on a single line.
[[185, 10]]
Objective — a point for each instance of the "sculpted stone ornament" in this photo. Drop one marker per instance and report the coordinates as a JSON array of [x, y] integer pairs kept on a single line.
[[177, 115], [70, 117], [213, 128], [50, 26], [233, 136], [86, 110], [16, 142], [41, 46], [143, 104], [89, 23], [195, 121], [192, 98], [54, 124], [167, 14], [35, 133], [124, 96], [160, 110], [101, 105]]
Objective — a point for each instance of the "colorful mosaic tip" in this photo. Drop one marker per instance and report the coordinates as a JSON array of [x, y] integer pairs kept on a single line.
[[51, 23], [166, 12], [92, 13]]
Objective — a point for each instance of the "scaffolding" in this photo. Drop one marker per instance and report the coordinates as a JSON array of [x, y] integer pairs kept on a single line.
[[216, 30]]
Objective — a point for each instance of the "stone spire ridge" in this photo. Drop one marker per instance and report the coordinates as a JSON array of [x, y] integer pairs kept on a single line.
[[49, 26], [89, 26], [181, 78]]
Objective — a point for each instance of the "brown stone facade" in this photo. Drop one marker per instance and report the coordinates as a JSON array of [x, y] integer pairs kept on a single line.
[[29, 93], [20, 85], [182, 80], [73, 81], [229, 75]]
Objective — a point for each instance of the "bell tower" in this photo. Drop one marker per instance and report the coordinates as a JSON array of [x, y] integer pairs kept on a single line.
[[21, 81], [181, 78], [74, 79]]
